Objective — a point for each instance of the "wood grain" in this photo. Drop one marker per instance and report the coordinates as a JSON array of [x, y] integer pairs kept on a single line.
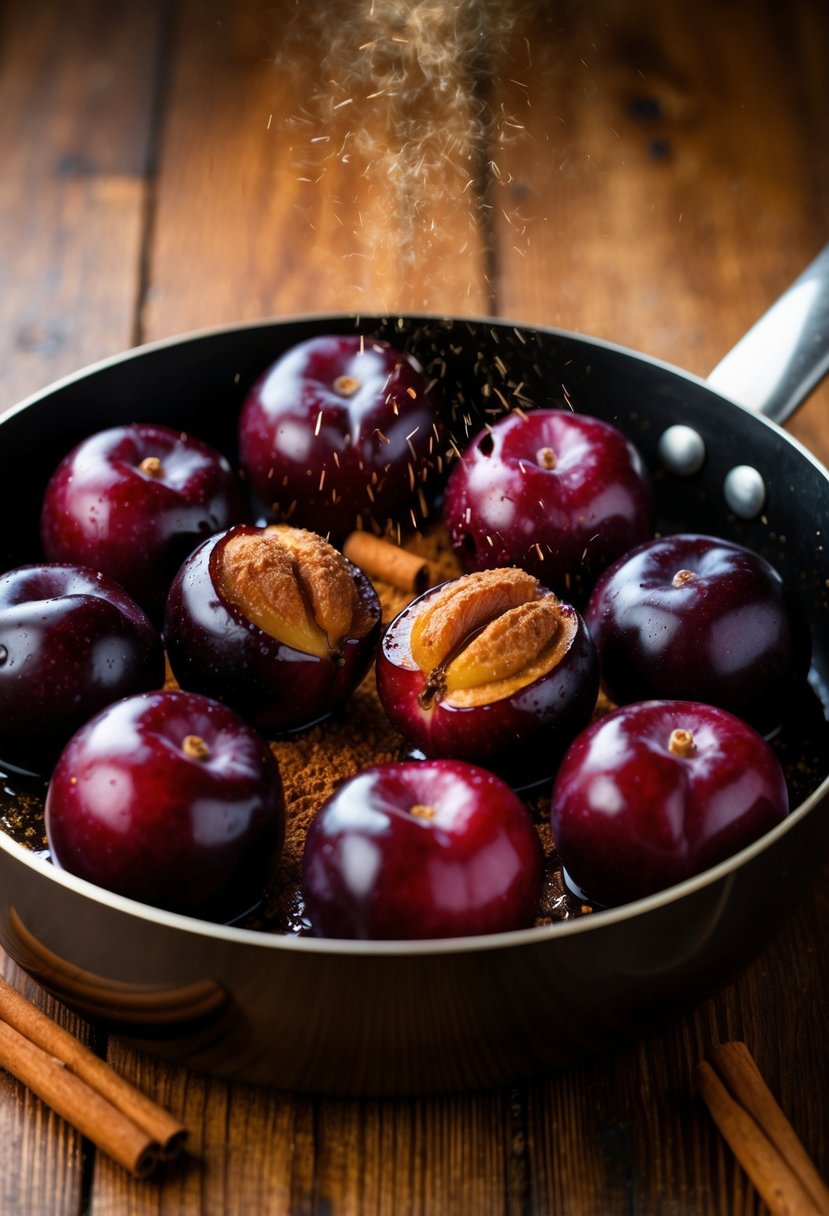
[[41, 1162], [76, 112], [667, 174], [656, 177], [264, 193]]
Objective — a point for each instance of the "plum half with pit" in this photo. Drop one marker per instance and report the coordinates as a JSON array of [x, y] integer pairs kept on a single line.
[[71, 641], [698, 618], [421, 849], [340, 433], [273, 621], [133, 501], [493, 668], [658, 791], [171, 799], [561, 495]]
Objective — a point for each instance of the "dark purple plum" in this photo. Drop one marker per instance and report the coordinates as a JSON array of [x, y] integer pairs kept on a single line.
[[421, 849], [697, 618], [491, 668], [71, 641], [274, 622], [341, 432], [133, 501], [658, 791], [171, 799], [559, 494]]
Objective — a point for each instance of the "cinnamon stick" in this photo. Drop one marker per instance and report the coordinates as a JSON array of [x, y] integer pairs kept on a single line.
[[737, 1067], [50, 1060], [76, 1102], [381, 559], [767, 1164]]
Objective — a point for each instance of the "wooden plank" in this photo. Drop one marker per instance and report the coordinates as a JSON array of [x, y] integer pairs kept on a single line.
[[247, 1146], [286, 185], [41, 1158], [442, 1155], [79, 83], [653, 182], [255, 1151]]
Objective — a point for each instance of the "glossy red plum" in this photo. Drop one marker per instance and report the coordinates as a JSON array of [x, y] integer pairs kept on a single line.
[[697, 618], [169, 798], [559, 494], [658, 791], [71, 641], [339, 432], [133, 501], [427, 849]]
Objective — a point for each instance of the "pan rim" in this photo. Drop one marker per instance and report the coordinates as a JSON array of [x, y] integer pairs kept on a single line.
[[426, 946], [341, 318], [596, 920], [193, 336]]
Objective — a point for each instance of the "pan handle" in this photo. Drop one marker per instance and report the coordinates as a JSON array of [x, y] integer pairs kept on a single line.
[[786, 353]]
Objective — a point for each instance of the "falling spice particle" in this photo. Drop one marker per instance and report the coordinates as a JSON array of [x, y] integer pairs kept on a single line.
[[408, 79]]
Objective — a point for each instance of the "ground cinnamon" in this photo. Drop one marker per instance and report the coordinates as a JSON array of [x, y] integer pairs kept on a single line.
[[81, 1087], [760, 1136]]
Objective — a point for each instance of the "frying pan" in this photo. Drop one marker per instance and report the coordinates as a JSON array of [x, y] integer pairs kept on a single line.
[[395, 1018]]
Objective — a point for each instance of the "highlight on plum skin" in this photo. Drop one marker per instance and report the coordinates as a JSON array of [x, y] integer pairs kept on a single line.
[[343, 432], [171, 799], [559, 494], [134, 500], [658, 791], [421, 849], [71, 642], [699, 618]]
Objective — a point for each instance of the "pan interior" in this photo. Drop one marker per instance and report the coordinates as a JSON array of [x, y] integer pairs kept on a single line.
[[486, 368]]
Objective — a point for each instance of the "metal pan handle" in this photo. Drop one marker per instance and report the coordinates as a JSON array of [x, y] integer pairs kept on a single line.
[[786, 353]]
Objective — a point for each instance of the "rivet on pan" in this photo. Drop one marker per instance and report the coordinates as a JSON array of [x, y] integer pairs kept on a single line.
[[682, 450], [745, 491]]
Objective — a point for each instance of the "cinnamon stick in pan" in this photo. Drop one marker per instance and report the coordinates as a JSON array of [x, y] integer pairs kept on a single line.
[[759, 1134], [381, 559], [81, 1087]]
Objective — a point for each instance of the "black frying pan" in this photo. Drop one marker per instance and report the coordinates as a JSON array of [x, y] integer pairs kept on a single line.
[[371, 1017]]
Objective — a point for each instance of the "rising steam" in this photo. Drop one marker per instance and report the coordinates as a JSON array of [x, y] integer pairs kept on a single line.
[[403, 99]]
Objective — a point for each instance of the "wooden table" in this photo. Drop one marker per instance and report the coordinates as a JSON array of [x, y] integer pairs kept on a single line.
[[653, 174]]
